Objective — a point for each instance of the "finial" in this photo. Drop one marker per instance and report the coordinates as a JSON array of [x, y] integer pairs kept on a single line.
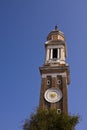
[[56, 27]]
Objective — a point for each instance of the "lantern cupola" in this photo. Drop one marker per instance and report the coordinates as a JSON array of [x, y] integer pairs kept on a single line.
[[55, 47]]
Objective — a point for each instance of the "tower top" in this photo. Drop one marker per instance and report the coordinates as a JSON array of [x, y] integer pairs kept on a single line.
[[56, 34]]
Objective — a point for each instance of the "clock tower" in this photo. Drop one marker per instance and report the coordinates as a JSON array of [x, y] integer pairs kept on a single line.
[[55, 74]]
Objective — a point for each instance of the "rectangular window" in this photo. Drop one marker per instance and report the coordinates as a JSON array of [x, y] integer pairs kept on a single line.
[[55, 53]]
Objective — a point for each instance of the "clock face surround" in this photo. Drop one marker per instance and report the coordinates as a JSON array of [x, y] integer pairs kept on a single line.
[[53, 95]]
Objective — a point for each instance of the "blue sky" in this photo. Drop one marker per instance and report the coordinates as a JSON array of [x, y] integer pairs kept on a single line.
[[24, 26]]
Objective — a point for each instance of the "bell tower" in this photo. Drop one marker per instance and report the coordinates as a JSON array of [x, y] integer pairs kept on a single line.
[[55, 73]]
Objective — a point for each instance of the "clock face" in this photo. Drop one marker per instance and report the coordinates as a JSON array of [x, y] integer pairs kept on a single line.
[[53, 95]]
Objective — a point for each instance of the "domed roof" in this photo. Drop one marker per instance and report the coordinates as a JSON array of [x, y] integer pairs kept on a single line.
[[55, 34]]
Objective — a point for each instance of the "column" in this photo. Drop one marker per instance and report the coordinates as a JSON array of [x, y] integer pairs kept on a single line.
[[47, 55], [51, 56], [62, 54]]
